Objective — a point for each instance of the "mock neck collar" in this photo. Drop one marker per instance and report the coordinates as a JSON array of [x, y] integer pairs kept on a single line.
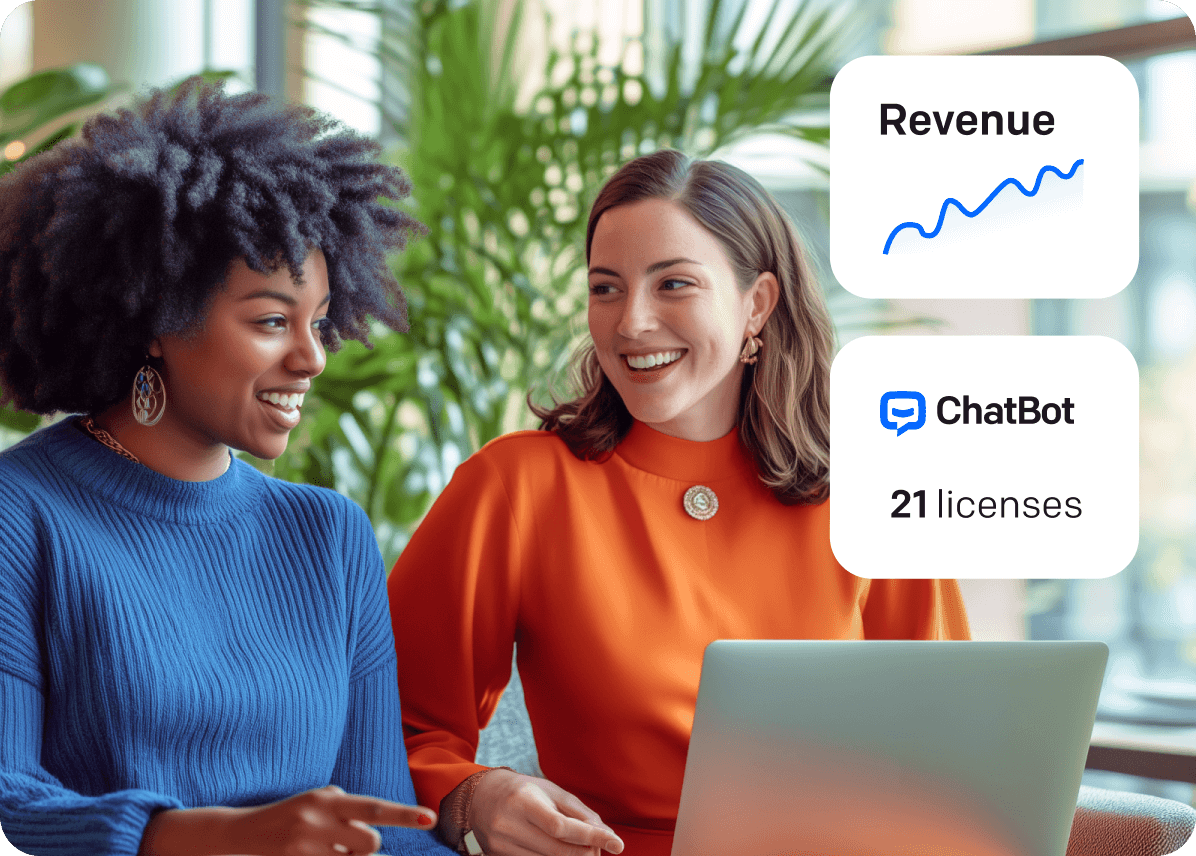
[[685, 460], [98, 469]]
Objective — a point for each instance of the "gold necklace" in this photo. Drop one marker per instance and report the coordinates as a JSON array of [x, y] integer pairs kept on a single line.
[[88, 424]]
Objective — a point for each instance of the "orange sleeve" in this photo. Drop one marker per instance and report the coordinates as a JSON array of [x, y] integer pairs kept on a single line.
[[915, 609], [454, 598]]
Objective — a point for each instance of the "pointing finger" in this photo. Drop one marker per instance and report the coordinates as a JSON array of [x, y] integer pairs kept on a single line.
[[380, 812]]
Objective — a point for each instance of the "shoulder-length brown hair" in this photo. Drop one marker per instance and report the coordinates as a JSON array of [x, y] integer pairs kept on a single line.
[[784, 404]]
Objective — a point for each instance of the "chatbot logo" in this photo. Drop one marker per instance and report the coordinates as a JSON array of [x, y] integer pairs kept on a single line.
[[902, 410]]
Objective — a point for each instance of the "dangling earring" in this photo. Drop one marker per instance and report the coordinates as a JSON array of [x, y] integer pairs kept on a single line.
[[751, 348], [149, 395]]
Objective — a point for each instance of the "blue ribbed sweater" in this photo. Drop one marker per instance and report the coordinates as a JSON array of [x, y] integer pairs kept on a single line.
[[169, 644]]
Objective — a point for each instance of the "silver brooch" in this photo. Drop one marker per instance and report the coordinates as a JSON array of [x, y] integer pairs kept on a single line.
[[700, 502]]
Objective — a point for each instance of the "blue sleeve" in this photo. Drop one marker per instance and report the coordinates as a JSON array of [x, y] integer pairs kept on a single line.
[[372, 758], [41, 817], [37, 814]]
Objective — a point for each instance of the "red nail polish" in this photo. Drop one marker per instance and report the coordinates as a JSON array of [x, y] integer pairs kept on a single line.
[[424, 820]]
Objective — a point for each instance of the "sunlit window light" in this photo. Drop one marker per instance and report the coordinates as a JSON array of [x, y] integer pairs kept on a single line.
[[948, 26], [345, 76]]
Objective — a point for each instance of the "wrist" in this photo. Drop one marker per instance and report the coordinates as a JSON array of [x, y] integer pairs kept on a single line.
[[187, 832], [456, 819], [155, 838]]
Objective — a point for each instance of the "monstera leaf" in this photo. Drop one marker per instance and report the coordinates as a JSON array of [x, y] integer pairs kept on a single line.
[[34, 108]]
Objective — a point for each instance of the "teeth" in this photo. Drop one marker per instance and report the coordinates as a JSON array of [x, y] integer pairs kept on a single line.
[[287, 401], [648, 361]]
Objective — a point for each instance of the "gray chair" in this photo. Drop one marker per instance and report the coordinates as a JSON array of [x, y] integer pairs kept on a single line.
[[1106, 823], [507, 740], [1116, 823]]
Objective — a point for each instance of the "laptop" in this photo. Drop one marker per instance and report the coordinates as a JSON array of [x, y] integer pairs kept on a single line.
[[879, 748]]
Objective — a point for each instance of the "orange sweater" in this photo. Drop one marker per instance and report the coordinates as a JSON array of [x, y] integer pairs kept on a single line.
[[612, 592]]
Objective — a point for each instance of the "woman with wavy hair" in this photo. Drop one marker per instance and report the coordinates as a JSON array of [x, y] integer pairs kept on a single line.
[[681, 497], [196, 658]]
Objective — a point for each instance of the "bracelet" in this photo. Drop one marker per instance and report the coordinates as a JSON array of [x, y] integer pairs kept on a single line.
[[454, 824]]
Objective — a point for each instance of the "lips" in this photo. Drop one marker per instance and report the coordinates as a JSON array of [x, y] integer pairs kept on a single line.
[[651, 367], [283, 406]]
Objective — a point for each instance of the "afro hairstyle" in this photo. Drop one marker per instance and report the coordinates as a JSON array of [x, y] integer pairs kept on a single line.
[[114, 239]]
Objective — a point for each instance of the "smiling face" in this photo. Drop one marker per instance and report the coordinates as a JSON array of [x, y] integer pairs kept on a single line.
[[668, 319], [239, 379]]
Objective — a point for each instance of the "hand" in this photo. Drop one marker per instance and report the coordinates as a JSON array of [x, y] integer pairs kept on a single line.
[[323, 822], [516, 815]]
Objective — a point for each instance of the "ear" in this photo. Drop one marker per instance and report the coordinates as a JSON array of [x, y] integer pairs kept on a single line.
[[155, 349], [762, 297]]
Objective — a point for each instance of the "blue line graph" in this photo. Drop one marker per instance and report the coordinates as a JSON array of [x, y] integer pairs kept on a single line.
[[953, 201]]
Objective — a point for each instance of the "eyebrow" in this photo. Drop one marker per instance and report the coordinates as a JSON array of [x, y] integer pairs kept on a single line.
[[652, 268], [288, 299]]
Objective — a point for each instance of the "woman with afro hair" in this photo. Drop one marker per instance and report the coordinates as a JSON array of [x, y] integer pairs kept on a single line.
[[195, 658]]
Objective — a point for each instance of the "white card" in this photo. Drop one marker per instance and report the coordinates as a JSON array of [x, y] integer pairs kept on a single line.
[[984, 177], [984, 456]]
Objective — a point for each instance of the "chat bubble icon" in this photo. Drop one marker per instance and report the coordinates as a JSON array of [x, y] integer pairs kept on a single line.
[[902, 410]]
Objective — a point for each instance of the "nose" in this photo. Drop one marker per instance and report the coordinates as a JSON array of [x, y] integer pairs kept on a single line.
[[639, 313], [306, 356]]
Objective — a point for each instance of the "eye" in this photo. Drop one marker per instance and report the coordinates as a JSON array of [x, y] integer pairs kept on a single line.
[[674, 284], [324, 326], [602, 288], [274, 322]]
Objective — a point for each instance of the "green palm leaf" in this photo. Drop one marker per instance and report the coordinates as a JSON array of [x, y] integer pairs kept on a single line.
[[497, 285]]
